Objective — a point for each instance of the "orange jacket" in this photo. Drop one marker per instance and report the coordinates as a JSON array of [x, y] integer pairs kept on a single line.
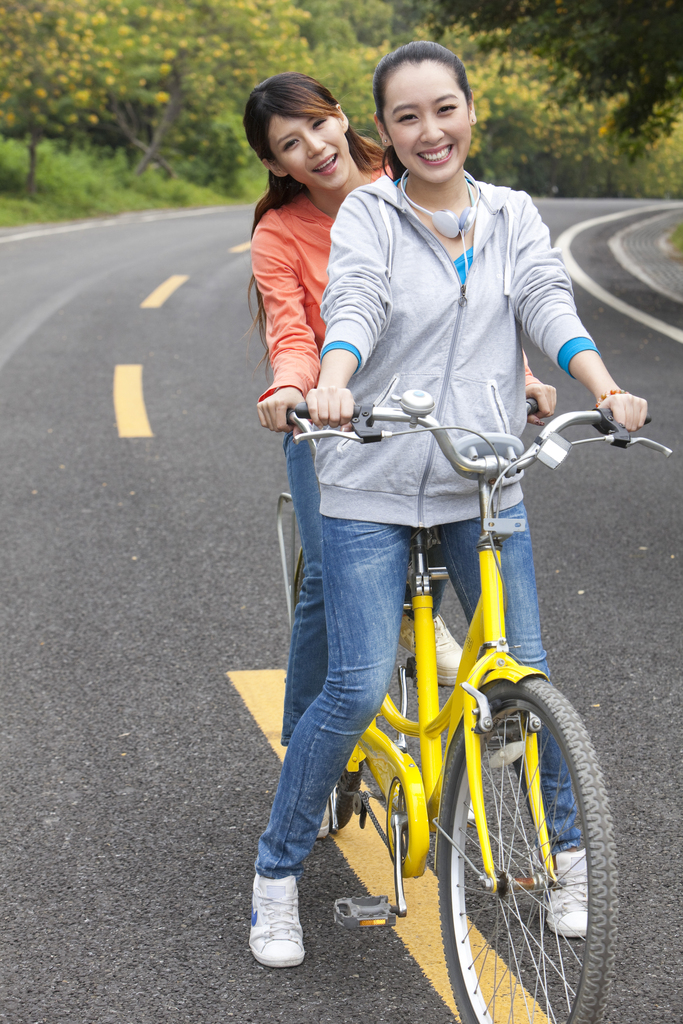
[[290, 250]]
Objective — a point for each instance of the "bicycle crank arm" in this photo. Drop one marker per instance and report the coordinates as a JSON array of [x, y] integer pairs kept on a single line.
[[399, 821]]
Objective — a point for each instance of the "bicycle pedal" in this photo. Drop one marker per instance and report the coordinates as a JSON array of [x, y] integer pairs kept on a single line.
[[364, 912]]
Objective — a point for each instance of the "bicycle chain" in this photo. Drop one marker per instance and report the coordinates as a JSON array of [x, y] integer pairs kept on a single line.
[[365, 797]]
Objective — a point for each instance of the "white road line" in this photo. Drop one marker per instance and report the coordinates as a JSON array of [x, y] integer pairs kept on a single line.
[[593, 288], [621, 255], [122, 219]]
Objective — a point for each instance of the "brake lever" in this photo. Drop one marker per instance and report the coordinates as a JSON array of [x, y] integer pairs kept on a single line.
[[608, 425], [364, 425], [655, 445], [315, 435]]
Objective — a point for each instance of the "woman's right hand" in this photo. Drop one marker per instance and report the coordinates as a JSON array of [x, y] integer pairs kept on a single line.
[[272, 411], [330, 406]]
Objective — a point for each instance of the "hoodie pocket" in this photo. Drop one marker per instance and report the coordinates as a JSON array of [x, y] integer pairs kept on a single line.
[[497, 407]]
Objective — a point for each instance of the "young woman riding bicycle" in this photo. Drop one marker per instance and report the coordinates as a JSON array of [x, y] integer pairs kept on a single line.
[[383, 325]]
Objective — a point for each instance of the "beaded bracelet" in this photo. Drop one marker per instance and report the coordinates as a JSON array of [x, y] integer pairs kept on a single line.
[[614, 391]]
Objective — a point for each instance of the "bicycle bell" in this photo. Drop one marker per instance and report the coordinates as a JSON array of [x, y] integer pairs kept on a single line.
[[417, 403]]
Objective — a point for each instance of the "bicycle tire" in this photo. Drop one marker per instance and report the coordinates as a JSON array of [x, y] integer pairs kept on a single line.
[[348, 785], [524, 971]]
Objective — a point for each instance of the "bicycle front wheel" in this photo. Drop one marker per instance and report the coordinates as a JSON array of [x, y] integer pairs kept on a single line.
[[519, 955]]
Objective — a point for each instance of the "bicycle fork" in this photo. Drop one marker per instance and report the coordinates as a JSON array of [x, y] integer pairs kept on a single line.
[[477, 718]]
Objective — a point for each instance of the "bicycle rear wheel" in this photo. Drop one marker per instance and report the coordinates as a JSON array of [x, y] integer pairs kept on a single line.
[[506, 963]]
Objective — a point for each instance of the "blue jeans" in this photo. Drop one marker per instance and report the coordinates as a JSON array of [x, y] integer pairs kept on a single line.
[[364, 571], [307, 664]]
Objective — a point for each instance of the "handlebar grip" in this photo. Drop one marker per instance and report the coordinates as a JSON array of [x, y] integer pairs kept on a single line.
[[531, 406], [648, 419], [301, 410]]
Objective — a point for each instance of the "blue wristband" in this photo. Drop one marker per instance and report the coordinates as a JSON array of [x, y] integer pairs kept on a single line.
[[346, 346], [571, 349]]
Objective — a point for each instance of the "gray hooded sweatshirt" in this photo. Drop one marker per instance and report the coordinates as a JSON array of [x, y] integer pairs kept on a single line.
[[395, 295]]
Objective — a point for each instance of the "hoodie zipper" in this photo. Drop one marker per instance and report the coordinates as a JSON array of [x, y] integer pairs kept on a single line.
[[462, 301]]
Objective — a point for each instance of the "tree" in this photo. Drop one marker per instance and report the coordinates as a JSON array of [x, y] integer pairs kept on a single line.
[[190, 59], [48, 71], [624, 49]]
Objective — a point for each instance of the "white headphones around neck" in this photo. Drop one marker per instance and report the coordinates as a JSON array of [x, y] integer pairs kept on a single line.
[[446, 222]]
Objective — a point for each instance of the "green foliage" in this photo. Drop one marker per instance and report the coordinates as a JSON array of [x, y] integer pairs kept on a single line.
[[219, 156], [677, 237], [627, 50], [190, 58], [526, 138], [86, 182], [164, 82]]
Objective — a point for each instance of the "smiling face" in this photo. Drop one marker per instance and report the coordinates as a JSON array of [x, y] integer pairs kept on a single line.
[[428, 120], [313, 150]]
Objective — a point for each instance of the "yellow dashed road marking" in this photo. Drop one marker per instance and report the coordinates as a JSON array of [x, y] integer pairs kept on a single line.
[[164, 291], [129, 403], [242, 247], [263, 693]]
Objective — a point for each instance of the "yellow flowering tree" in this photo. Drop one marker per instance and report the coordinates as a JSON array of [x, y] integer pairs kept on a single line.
[[170, 60], [48, 71]]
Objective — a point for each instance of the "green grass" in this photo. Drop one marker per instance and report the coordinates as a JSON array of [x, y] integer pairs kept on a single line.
[[677, 237], [89, 183]]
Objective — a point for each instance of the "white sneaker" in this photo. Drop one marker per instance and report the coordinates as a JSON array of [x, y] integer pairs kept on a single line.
[[448, 652], [567, 913], [276, 939]]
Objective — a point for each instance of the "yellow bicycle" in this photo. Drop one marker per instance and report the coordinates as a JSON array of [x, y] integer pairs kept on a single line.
[[519, 770]]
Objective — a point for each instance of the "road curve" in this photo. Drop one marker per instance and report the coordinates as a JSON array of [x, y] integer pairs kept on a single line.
[[138, 571]]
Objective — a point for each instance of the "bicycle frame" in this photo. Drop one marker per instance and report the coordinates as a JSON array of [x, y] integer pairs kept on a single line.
[[485, 659]]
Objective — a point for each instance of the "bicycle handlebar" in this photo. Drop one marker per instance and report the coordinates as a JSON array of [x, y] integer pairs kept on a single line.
[[505, 459]]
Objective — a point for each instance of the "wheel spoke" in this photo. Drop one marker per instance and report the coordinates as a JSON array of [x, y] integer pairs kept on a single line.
[[507, 964]]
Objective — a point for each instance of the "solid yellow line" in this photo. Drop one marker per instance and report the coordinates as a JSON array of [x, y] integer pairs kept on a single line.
[[129, 403], [242, 247], [263, 693], [164, 291]]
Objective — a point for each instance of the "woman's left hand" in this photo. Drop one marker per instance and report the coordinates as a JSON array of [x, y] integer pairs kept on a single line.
[[546, 396], [627, 409]]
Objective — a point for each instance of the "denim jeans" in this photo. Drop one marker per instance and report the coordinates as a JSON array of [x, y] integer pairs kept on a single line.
[[307, 664], [364, 571]]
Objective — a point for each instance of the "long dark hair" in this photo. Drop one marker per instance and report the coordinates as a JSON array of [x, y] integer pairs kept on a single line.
[[292, 94], [412, 53]]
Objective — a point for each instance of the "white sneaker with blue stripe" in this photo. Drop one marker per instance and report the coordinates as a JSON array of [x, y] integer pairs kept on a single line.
[[277, 938]]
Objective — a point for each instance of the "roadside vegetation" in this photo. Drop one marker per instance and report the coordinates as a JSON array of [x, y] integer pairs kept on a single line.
[[677, 237], [112, 105]]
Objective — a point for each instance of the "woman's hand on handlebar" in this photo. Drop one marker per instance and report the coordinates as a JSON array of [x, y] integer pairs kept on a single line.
[[627, 409], [546, 397], [272, 411], [330, 406]]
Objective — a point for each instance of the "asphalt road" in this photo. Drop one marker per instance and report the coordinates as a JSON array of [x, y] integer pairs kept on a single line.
[[137, 572]]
